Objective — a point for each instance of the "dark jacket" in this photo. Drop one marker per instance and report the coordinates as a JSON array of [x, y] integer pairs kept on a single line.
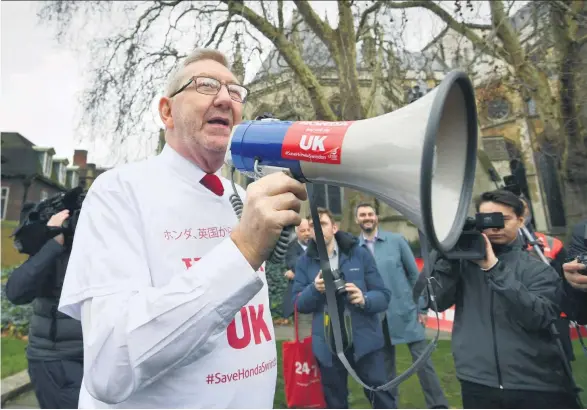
[[357, 266], [556, 254], [578, 246], [501, 334], [52, 334], [294, 252]]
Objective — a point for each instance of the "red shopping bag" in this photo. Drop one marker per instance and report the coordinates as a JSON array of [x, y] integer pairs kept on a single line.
[[301, 375]]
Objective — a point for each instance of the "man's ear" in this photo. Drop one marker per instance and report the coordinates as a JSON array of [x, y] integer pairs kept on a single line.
[[165, 112]]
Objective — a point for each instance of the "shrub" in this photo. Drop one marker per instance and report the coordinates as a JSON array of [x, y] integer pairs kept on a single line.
[[15, 319], [277, 283]]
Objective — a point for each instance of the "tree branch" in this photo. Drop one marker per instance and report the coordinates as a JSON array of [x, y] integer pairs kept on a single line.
[[280, 15], [365, 16], [291, 55], [474, 26], [319, 27], [460, 28], [224, 25]]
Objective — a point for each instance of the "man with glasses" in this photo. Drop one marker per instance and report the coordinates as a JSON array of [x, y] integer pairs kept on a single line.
[[168, 285]]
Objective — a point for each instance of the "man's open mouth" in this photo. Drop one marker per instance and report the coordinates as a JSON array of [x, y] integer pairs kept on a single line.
[[219, 121]]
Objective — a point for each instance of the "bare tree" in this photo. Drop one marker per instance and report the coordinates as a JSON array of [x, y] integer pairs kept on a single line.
[[130, 63], [551, 71]]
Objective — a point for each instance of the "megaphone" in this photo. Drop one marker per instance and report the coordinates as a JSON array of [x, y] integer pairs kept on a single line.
[[420, 159]]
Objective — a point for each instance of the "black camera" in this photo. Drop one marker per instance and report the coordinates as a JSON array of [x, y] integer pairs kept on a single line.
[[582, 259], [339, 282], [471, 244], [33, 231]]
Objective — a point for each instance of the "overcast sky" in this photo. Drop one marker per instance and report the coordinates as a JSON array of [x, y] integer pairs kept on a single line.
[[41, 80]]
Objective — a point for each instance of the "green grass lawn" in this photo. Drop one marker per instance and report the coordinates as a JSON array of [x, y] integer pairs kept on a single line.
[[411, 396], [13, 356]]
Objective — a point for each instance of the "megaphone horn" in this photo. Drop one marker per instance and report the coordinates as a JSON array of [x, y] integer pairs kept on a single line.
[[420, 159]]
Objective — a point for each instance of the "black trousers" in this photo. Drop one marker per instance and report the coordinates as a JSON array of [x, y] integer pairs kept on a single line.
[[56, 382], [477, 396]]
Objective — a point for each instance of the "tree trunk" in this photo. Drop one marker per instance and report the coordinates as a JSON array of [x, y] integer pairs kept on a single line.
[[573, 98], [346, 59], [562, 125], [291, 55]]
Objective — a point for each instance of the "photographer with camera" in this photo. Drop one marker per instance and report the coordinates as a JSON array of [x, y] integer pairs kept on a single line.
[[505, 303], [576, 273], [55, 344], [361, 297]]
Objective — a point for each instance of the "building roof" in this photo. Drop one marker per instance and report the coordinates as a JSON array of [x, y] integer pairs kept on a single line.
[[14, 139], [20, 162]]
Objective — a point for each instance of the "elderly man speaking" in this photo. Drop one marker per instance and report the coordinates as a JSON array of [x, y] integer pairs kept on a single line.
[[166, 281], [404, 323]]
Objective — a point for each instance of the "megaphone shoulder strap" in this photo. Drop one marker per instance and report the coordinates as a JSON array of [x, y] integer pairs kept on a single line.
[[332, 307]]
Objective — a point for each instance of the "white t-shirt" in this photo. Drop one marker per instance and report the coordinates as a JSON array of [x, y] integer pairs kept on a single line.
[[172, 313]]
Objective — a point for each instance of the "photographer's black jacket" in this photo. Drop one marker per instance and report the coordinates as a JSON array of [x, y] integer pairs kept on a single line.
[[52, 335], [578, 246], [501, 335]]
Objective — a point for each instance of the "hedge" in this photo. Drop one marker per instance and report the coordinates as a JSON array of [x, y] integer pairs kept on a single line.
[[15, 319], [277, 283]]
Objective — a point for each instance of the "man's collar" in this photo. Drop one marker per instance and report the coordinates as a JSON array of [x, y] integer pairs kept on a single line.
[[335, 250], [185, 168], [375, 238]]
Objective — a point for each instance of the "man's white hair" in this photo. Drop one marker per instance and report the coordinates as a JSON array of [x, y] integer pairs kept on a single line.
[[178, 78]]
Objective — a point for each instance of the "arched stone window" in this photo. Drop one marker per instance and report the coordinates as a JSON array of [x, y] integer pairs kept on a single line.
[[498, 109]]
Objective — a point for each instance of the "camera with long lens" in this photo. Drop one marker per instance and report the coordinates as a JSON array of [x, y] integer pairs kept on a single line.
[[471, 244], [339, 282], [33, 232]]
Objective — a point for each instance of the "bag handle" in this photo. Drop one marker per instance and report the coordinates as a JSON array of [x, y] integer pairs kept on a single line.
[[296, 330]]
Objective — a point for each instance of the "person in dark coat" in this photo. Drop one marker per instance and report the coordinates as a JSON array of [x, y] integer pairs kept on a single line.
[[366, 297], [504, 353], [296, 249], [555, 253], [576, 273], [55, 346]]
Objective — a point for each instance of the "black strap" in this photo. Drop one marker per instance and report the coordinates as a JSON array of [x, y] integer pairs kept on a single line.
[[332, 306]]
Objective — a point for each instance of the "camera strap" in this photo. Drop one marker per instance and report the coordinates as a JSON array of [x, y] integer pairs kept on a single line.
[[332, 305]]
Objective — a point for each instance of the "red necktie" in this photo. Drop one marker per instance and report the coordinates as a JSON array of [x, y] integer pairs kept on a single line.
[[213, 183]]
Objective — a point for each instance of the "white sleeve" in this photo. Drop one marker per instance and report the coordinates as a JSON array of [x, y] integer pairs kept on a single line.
[[133, 332]]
